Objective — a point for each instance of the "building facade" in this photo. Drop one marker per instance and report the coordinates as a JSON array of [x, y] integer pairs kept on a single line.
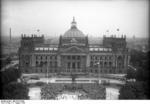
[[73, 54]]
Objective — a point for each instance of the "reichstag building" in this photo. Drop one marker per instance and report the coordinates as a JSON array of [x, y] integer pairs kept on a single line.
[[73, 54]]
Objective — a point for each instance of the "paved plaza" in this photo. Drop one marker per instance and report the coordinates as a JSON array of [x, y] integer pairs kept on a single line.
[[34, 94]]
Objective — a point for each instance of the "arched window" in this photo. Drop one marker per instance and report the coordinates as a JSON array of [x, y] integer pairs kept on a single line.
[[91, 63], [78, 64], [105, 64], [37, 63], [120, 61], [110, 64]]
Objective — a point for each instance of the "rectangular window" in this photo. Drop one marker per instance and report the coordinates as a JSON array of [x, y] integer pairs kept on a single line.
[[69, 65], [50, 64], [36, 57], [55, 49], [91, 57], [78, 57], [73, 57], [91, 63], [68, 57], [78, 64], [96, 57], [91, 49], [55, 64], [50, 49], [55, 57], [73, 65], [51, 57]]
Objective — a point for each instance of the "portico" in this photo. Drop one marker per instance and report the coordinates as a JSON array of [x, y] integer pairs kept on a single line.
[[73, 63]]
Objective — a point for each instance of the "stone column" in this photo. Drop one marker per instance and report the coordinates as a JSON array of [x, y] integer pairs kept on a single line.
[[33, 59], [125, 61], [48, 64], [59, 60], [88, 60], [128, 60]]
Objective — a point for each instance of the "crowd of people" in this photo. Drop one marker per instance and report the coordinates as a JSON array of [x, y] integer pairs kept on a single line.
[[82, 91]]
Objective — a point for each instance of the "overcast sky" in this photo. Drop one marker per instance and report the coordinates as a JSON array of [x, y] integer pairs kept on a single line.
[[53, 17]]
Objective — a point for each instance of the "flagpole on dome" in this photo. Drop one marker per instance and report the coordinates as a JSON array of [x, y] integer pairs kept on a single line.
[[107, 32], [38, 32], [118, 31]]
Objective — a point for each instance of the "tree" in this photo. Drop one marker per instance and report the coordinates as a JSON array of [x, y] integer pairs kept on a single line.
[[10, 75], [131, 74], [132, 90], [15, 91], [6, 61], [140, 60]]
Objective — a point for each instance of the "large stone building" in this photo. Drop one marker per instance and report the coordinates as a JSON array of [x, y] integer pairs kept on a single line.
[[73, 54]]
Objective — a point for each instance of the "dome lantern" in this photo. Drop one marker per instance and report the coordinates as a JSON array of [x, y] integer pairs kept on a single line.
[[73, 31], [73, 23]]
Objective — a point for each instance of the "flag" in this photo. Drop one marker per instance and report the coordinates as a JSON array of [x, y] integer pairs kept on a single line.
[[38, 30]]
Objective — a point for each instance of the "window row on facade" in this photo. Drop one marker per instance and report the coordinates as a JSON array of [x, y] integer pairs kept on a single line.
[[101, 63], [46, 64], [101, 49], [106, 64], [45, 49], [97, 57], [46, 57]]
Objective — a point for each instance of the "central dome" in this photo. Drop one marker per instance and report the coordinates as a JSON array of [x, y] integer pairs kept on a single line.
[[73, 31]]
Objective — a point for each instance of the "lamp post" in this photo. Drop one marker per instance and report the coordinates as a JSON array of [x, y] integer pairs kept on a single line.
[[98, 70], [98, 63], [47, 73]]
